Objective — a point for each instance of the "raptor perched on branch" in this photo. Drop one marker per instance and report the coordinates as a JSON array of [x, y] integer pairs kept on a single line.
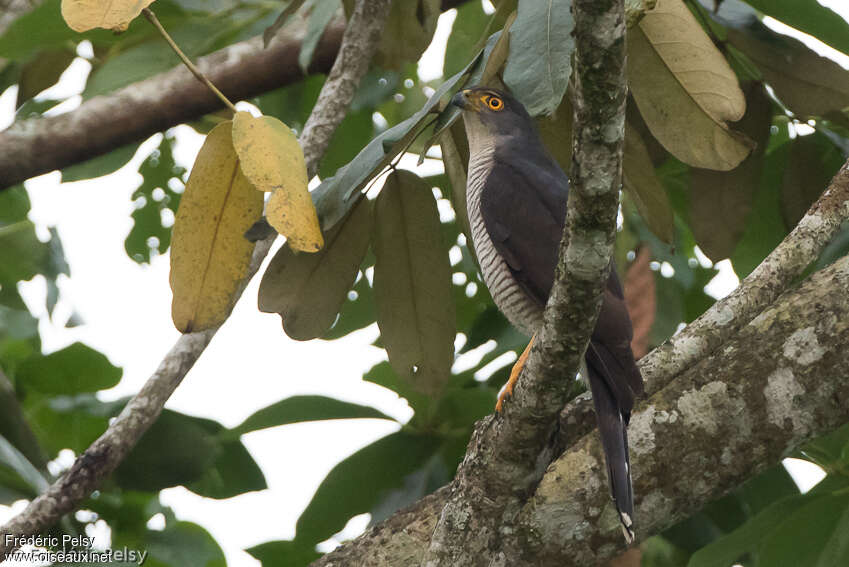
[[516, 196]]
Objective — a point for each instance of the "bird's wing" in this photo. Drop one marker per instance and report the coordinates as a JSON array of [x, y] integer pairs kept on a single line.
[[523, 208]]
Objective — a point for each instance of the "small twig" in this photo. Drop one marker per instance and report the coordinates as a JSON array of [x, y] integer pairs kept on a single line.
[[148, 13]]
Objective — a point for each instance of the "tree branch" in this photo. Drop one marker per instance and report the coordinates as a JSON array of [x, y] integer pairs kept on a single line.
[[104, 455], [507, 454], [732, 414], [103, 123], [779, 270]]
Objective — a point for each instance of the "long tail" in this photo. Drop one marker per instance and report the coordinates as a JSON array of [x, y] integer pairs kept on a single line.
[[612, 426]]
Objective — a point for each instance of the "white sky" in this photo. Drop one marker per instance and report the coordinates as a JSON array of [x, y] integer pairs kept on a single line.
[[250, 363]]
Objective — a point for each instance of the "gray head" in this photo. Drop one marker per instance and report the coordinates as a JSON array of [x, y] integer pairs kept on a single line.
[[494, 118]]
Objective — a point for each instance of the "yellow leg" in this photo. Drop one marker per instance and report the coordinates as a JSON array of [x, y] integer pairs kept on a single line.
[[514, 376]]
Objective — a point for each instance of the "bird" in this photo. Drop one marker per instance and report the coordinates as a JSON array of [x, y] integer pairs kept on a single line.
[[516, 197]]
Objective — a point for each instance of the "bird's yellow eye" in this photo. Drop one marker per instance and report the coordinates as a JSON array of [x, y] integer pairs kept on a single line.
[[494, 103]]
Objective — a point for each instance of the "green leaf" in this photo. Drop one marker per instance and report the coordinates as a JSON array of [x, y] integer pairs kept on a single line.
[[284, 553], [184, 544], [278, 24], [234, 472], [101, 165], [355, 485], [307, 290], [152, 197], [816, 535], [68, 422], [321, 15], [541, 47], [407, 33], [22, 254], [810, 17], [807, 83], [74, 369], [346, 141], [14, 205], [177, 449], [658, 551], [18, 474], [412, 283], [299, 409]]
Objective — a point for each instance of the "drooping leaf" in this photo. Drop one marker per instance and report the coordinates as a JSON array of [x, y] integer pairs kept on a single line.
[[284, 553], [357, 311], [764, 227], [272, 160], [116, 15], [412, 283], [642, 184], [407, 33], [810, 17], [307, 290], [721, 202], [497, 57], [299, 409], [321, 15], [209, 254], [74, 369], [541, 47], [355, 484], [808, 83], [684, 88]]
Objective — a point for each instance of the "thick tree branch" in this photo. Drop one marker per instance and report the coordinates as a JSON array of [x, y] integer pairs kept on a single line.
[[104, 455], [781, 268], [780, 381], [101, 124], [507, 454]]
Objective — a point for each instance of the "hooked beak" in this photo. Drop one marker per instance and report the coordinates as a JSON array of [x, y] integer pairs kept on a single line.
[[461, 99]]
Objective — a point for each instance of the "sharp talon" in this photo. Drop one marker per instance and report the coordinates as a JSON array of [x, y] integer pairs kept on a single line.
[[514, 377]]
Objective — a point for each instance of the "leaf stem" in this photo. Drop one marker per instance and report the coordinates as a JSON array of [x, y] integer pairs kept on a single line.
[[148, 13]]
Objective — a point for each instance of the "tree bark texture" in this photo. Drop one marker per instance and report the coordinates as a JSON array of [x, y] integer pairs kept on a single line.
[[780, 381]]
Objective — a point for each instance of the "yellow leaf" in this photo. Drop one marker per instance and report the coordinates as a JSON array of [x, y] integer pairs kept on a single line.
[[684, 88], [84, 15], [209, 253], [272, 160]]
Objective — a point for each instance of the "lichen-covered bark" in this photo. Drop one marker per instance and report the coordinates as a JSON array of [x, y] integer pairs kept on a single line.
[[107, 452], [779, 382], [508, 453]]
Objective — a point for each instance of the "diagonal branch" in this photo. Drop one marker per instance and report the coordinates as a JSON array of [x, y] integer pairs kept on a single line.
[[506, 456], [101, 124], [106, 453]]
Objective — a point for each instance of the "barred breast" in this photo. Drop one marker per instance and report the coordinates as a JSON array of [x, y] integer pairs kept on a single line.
[[522, 311]]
